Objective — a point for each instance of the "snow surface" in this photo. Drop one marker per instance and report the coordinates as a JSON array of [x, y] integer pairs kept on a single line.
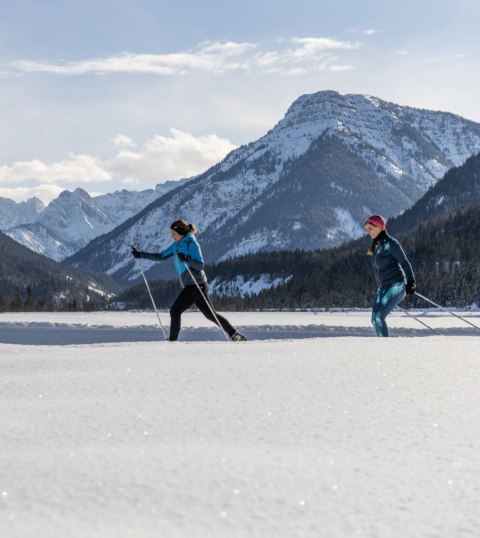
[[300, 435]]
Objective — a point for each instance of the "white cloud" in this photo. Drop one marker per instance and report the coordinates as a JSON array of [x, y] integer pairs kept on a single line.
[[174, 157], [122, 142], [339, 68], [304, 55], [368, 31], [209, 57], [75, 169], [266, 59], [162, 158], [309, 46], [229, 48], [294, 71], [20, 194]]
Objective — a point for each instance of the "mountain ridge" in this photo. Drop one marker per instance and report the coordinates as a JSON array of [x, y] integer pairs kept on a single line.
[[74, 218], [272, 193]]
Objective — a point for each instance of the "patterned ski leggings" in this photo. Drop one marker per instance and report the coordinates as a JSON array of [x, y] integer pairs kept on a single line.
[[385, 301]]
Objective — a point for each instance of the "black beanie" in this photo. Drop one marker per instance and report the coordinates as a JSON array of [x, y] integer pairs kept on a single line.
[[180, 226]]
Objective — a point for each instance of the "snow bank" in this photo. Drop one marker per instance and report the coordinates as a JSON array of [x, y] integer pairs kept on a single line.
[[315, 437]]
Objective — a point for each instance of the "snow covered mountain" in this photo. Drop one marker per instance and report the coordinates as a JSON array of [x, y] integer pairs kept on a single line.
[[14, 213], [308, 183], [73, 219]]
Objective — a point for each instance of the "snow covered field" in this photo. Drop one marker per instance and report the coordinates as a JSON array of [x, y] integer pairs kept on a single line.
[[312, 428]]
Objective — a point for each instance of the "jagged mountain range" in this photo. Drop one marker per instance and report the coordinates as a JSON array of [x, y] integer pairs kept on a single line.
[[307, 184], [17, 213], [73, 219]]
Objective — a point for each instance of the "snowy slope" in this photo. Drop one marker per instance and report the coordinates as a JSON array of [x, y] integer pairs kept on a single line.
[[308, 183], [319, 437], [458, 189]]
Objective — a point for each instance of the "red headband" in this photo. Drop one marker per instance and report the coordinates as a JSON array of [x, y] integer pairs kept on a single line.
[[377, 220]]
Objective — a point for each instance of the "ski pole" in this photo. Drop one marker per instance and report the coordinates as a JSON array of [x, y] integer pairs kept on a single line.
[[445, 310], [150, 293], [419, 321], [207, 301]]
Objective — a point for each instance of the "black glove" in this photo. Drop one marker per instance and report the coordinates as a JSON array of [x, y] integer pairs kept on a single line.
[[183, 257], [135, 252], [410, 287]]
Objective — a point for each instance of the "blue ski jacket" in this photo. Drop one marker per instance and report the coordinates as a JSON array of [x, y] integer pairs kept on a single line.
[[189, 246], [389, 262]]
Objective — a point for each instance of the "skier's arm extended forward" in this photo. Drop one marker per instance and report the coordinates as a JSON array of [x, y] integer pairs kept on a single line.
[[155, 256]]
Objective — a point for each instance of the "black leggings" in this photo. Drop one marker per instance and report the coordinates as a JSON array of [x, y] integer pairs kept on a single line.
[[191, 295]]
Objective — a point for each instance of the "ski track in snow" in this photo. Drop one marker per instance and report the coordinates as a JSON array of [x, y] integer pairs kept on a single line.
[[110, 327], [309, 437]]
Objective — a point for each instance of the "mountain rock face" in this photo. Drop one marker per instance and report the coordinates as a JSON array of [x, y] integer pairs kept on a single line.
[[308, 183], [14, 213], [73, 219]]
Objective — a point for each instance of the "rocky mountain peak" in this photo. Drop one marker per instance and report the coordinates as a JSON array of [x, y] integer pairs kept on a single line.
[[308, 183]]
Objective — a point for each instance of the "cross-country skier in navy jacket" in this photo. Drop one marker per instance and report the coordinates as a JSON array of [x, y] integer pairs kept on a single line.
[[393, 272], [186, 251]]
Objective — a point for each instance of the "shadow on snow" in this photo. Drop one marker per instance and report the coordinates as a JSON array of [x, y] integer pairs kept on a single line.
[[65, 334]]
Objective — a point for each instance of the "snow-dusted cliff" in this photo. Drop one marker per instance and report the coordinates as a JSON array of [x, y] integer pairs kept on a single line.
[[73, 219]]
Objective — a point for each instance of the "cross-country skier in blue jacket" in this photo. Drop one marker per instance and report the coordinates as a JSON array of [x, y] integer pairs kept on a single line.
[[186, 251], [393, 272]]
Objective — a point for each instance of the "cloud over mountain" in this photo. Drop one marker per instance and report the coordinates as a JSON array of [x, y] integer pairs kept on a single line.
[[161, 158]]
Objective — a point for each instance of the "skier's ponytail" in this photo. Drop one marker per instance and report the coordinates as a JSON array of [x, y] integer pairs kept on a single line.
[[192, 228]]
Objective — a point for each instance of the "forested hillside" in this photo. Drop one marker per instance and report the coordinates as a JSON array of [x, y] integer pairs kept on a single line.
[[445, 255], [459, 188], [30, 281]]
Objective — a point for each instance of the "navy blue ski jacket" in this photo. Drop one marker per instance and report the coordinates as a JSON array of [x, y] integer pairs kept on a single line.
[[189, 246], [389, 262]]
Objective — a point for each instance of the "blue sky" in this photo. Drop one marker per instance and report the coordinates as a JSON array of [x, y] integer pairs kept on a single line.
[[112, 94]]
